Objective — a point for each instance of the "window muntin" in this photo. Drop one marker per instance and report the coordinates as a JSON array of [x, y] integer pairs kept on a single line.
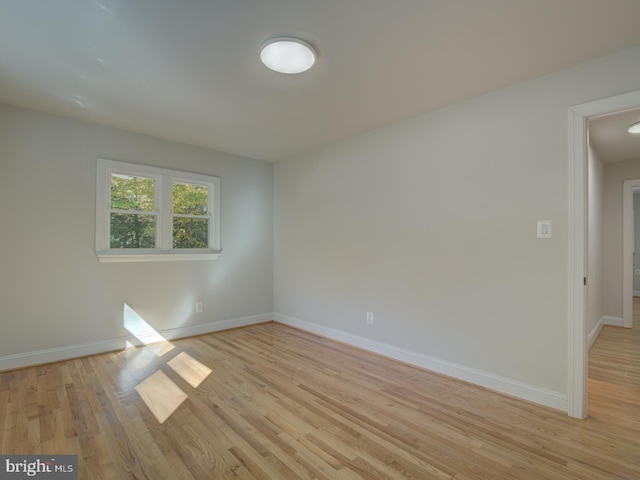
[[147, 213]]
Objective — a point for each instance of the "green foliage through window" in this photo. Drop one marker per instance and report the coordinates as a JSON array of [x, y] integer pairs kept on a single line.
[[190, 198], [132, 230], [190, 232], [130, 195], [190, 201]]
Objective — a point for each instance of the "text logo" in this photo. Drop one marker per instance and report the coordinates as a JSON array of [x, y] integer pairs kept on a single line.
[[45, 467]]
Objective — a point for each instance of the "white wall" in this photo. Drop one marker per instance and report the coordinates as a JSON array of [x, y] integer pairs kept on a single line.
[[431, 224], [53, 291], [595, 245], [614, 176]]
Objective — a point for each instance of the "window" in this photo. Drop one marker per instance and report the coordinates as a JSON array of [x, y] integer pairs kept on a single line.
[[147, 214], [190, 215]]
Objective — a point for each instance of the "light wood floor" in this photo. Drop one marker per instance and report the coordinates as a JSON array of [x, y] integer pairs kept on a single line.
[[614, 375], [279, 403]]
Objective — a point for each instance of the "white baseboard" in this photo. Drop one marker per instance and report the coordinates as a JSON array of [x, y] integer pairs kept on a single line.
[[593, 334], [614, 321], [636, 293], [494, 382], [498, 383], [605, 320], [39, 357]]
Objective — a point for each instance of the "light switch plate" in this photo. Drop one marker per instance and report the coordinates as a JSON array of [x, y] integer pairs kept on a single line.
[[544, 228]]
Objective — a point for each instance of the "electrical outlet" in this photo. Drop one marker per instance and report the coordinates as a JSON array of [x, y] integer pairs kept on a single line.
[[369, 318], [199, 307]]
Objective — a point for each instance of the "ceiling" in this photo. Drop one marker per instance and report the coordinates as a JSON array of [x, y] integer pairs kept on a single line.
[[188, 70], [608, 134]]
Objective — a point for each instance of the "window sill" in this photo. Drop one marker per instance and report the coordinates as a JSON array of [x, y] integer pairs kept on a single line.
[[105, 257]]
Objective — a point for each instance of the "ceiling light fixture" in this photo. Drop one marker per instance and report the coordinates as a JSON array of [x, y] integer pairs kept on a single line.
[[287, 55], [635, 128]]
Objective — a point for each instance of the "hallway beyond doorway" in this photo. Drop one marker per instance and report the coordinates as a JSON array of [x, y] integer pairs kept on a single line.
[[614, 374]]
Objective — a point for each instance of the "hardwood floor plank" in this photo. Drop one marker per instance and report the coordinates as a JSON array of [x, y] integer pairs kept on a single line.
[[273, 402]]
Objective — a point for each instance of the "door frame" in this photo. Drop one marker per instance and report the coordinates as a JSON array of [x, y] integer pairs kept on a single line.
[[628, 225], [578, 148]]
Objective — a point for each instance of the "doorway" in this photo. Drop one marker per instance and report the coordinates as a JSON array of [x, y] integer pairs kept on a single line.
[[578, 148], [629, 229]]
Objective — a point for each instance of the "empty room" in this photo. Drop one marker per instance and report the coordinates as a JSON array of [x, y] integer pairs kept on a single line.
[[280, 239]]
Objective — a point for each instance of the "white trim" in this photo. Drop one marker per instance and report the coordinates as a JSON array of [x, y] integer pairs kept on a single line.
[[500, 384], [164, 180], [628, 227], [636, 293], [577, 348], [39, 357], [593, 335], [613, 321], [605, 320], [160, 257]]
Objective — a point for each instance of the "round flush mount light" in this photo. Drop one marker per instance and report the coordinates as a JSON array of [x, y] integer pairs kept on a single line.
[[287, 55], [635, 128]]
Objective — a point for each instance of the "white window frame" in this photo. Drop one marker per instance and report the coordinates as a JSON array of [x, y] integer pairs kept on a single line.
[[164, 180]]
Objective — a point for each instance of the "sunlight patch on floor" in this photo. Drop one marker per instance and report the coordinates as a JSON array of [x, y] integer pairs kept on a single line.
[[190, 369], [145, 333], [161, 395]]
